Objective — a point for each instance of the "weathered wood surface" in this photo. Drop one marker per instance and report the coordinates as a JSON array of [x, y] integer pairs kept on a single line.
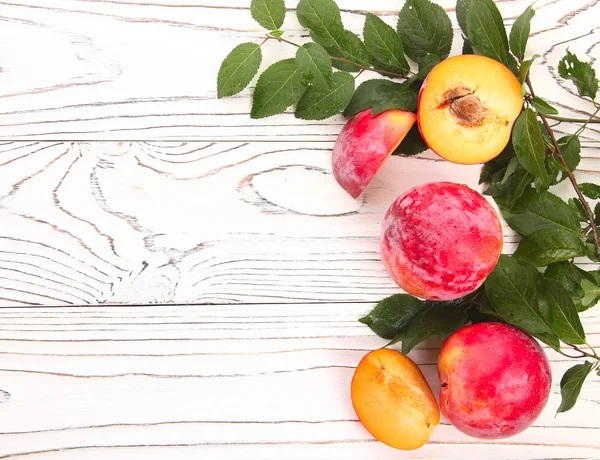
[[146, 69], [188, 208], [241, 381]]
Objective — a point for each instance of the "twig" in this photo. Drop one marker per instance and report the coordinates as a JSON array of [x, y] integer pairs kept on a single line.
[[342, 59], [570, 175]]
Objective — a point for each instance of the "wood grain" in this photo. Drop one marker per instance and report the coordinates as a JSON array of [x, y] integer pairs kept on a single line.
[[146, 70], [140, 223], [240, 381]]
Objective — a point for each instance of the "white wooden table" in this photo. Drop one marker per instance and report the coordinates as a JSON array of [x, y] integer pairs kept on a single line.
[[180, 281]]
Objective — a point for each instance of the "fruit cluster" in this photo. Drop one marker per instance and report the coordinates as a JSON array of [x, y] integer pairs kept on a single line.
[[440, 241]]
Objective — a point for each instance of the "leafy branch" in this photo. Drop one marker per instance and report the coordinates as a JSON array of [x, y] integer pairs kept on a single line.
[[279, 38], [571, 176], [540, 288]]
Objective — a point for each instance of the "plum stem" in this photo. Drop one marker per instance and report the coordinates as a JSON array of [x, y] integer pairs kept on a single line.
[[342, 59], [570, 174], [574, 120]]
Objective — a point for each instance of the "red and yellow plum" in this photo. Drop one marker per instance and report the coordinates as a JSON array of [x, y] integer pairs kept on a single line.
[[365, 143], [440, 240], [495, 380]]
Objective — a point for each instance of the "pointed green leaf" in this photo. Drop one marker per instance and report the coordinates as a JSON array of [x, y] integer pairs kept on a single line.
[[571, 383], [578, 209], [580, 73], [395, 96], [318, 104], [384, 45], [548, 245], [238, 69], [519, 33], [525, 67], [268, 13], [486, 36], [570, 147], [591, 294], [382, 95], [512, 289], [412, 144], [315, 65], [462, 10], [353, 48], [534, 211], [363, 96], [529, 147], [279, 87], [392, 314], [424, 28], [592, 191], [558, 310], [543, 107], [322, 18], [570, 276], [439, 320], [507, 193]]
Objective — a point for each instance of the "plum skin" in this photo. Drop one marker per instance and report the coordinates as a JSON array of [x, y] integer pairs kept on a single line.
[[495, 380]]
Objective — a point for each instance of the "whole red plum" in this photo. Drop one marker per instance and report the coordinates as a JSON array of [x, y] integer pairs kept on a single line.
[[440, 240], [495, 380]]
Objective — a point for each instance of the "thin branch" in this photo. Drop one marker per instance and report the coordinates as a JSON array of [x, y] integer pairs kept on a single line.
[[570, 175], [342, 59], [574, 120]]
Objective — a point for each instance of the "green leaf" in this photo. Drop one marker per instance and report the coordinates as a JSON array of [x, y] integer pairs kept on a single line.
[[570, 147], [318, 104], [591, 294], [412, 144], [268, 13], [578, 209], [439, 320], [525, 67], [348, 46], [278, 87], [519, 33], [580, 73], [426, 64], [535, 211], [558, 311], [363, 96], [486, 35], [353, 48], [315, 65], [424, 28], [384, 45], [529, 147], [571, 383], [512, 289], [322, 18], [392, 314], [550, 245], [462, 11], [570, 277], [543, 107], [592, 191], [238, 69], [507, 193], [495, 165], [276, 33], [382, 95], [394, 96]]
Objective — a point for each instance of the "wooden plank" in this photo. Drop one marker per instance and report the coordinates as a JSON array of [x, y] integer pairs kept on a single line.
[[240, 381], [142, 70], [139, 223]]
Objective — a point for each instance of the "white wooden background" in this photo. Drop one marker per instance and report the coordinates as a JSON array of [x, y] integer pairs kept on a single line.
[[180, 280]]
